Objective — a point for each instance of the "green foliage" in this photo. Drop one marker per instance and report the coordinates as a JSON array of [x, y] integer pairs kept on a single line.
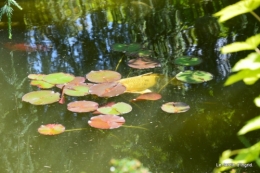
[[248, 70], [127, 166], [8, 10]]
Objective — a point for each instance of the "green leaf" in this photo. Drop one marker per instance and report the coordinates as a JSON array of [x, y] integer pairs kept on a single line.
[[257, 101], [237, 9], [250, 44], [252, 62], [241, 75], [251, 125], [248, 155]]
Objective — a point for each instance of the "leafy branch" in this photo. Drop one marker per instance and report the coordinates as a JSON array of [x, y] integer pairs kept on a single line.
[[8, 10]]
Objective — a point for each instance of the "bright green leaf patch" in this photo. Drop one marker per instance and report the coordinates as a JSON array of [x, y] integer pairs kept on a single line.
[[251, 125], [257, 101], [41, 84], [58, 78], [187, 61], [252, 62], [103, 76], [41, 97], [116, 109], [194, 77]]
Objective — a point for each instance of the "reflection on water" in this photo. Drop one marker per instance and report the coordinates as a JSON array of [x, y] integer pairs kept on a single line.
[[79, 36]]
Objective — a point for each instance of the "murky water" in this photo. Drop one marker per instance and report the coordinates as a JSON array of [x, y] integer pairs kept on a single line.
[[76, 37]]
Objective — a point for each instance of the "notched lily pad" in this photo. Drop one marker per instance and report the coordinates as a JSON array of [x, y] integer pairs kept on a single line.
[[102, 76], [82, 106], [116, 109], [106, 121], [51, 129], [110, 89], [148, 96], [41, 97], [175, 107], [187, 61], [194, 77], [58, 78], [143, 63]]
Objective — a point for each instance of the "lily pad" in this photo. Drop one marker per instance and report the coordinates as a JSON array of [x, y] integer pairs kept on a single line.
[[143, 63], [106, 121], [119, 47], [106, 105], [41, 84], [41, 97], [187, 61], [194, 77], [102, 76], [76, 89], [82, 106], [51, 129], [148, 96], [58, 78], [110, 89], [175, 107], [116, 109], [36, 76]]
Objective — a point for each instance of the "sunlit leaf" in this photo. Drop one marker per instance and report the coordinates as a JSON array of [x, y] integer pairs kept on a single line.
[[36, 76], [194, 77], [106, 105], [51, 129], [257, 101], [252, 62], [106, 121], [251, 125], [187, 61], [143, 63], [116, 109], [148, 96], [242, 75], [82, 106], [58, 78], [139, 83], [175, 107], [237, 9], [102, 76], [250, 44], [77, 89], [41, 97], [109, 89], [41, 84]]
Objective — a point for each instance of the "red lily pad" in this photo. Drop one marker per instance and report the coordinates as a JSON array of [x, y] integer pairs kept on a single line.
[[102, 76], [116, 109], [106, 121], [58, 78], [148, 96], [51, 129], [82, 106], [175, 107], [41, 97], [41, 84], [110, 89], [143, 63]]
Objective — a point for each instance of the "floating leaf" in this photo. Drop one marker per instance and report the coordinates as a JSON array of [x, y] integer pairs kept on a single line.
[[106, 121], [133, 47], [36, 76], [51, 129], [194, 76], [41, 97], [110, 89], [175, 107], [251, 125], [115, 109], [187, 61], [41, 84], [106, 105], [119, 47], [143, 63], [58, 78], [139, 83], [102, 76], [76, 89], [148, 96], [82, 106]]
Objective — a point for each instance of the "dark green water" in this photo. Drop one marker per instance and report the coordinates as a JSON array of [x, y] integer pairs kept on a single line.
[[80, 34]]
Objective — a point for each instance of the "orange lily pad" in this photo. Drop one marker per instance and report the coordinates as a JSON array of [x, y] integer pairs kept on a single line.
[[106, 121], [148, 96], [82, 106], [143, 63], [110, 89], [51, 129]]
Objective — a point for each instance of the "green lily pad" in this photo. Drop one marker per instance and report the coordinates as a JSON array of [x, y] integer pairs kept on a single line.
[[194, 77], [187, 61], [116, 109], [119, 47], [82, 106], [175, 107], [41, 97], [58, 78], [103, 76], [106, 121], [41, 84], [36, 76], [51, 129], [126, 48], [76, 89]]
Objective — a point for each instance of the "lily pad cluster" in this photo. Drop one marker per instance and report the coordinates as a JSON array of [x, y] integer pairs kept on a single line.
[[142, 56]]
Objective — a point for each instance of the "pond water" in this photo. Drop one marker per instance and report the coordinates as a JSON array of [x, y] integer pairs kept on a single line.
[[76, 36]]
